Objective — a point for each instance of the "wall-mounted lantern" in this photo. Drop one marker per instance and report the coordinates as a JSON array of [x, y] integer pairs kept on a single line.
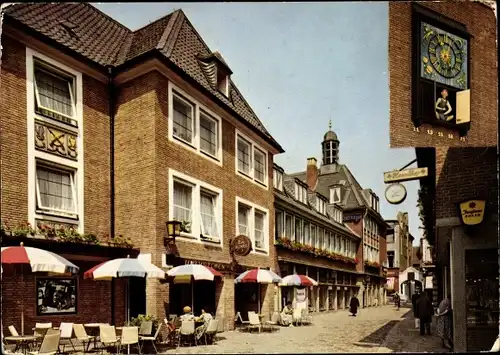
[[173, 230]]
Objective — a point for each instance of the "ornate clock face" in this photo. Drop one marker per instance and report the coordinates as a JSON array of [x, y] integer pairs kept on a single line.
[[443, 56]]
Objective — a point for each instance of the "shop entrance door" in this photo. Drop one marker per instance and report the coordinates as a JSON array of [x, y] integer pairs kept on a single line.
[[481, 290]]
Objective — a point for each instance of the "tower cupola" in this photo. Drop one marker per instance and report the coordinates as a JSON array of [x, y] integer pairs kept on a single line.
[[330, 146]]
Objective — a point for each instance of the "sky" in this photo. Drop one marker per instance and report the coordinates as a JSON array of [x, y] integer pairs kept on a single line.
[[300, 65]]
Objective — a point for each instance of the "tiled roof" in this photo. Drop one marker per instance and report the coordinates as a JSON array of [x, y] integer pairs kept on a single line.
[[87, 31], [288, 196], [92, 33]]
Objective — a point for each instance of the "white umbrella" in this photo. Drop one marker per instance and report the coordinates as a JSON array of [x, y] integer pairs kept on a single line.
[[39, 260], [192, 272], [124, 267], [258, 276]]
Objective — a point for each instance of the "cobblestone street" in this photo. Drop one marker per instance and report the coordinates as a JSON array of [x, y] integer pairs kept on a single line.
[[332, 332]]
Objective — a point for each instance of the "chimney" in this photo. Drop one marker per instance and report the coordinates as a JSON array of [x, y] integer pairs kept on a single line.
[[312, 173]]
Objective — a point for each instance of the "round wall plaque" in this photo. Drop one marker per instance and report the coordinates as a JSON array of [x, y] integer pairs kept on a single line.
[[395, 193], [242, 245]]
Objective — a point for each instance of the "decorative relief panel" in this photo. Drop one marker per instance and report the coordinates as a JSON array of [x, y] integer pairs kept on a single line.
[[55, 141]]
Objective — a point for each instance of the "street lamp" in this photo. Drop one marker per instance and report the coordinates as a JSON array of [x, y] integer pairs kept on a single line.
[[173, 230]]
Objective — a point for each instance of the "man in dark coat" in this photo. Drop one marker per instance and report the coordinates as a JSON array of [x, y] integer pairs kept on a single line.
[[414, 299], [353, 306], [425, 311]]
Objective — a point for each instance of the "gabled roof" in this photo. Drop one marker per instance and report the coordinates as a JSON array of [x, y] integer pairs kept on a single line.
[[288, 196], [354, 196], [85, 30]]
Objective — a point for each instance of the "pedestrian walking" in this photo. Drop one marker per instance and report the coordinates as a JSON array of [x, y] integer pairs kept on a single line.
[[414, 299], [424, 311], [354, 305], [444, 322], [397, 301]]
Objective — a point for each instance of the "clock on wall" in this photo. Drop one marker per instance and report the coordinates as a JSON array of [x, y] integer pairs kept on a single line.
[[444, 57], [395, 193], [441, 78]]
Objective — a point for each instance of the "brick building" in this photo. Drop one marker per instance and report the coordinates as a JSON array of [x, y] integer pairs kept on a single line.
[[312, 239], [465, 256], [421, 66], [361, 214], [136, 128]]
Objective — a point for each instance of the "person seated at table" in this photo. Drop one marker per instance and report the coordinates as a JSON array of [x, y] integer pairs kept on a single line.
[[205, 317], [287, 314], [188, 315]]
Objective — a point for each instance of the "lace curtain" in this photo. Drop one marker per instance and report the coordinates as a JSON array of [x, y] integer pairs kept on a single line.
[[183, 202], [54, 93], [259, 230], [183, 120], [243, 220], [209, 224], [55, 190]]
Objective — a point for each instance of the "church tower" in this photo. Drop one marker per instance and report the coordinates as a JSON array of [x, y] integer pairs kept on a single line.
[[330, 147]]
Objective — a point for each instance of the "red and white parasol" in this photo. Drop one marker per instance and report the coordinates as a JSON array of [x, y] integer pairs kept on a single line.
[[298, 280], [124, 267], [260, 276], [195, 271], [39, 260]]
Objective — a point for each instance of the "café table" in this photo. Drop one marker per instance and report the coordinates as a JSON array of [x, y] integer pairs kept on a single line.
[[23, 341]]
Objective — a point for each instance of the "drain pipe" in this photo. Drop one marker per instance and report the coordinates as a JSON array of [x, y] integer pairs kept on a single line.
[[111, 98]]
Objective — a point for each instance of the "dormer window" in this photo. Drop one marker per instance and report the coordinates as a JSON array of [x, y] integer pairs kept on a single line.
[[223, 82], [301, 193], [335, 194], [321, 205], [278, 179], [338, 215], [374, 202]]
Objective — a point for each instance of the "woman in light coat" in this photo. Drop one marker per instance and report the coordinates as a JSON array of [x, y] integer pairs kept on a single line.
[[444, 327]]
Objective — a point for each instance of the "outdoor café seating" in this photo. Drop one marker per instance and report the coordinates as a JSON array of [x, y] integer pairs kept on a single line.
[[211, 331], [254, 321], [187, 332], [50, 344], [130, 336], [273, 323], [66, 335], [108, 337], [82, 337], [152, 339]]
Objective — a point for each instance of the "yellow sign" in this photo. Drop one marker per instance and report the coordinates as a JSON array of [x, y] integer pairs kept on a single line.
[[405, 175], [472, 212]]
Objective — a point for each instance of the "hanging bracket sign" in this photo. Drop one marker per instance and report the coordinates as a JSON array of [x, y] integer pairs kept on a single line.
[[405, 175], [241, 245]]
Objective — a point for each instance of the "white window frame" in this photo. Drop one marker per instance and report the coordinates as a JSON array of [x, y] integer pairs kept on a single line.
[[35, 155], [278, 212], [214, 202], [299, 238], [313, 237], [54, 211], [253, 146], [300, 193], [198, 186], [251, 224], [195, 145], [332, 189], [54, 71], [306, 230], [277, 179]]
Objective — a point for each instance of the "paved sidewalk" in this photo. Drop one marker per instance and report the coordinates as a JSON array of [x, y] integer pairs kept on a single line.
[[403, 337]]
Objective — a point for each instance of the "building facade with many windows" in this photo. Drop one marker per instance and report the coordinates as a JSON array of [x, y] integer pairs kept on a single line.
[[360, 210], [311, 239], [108, 133]]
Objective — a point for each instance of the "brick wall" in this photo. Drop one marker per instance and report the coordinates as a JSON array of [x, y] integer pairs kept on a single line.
[[463, 174], [142, 164], [94, 297], [93, 302], [357, 227], [481, 24], [13, 128]]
